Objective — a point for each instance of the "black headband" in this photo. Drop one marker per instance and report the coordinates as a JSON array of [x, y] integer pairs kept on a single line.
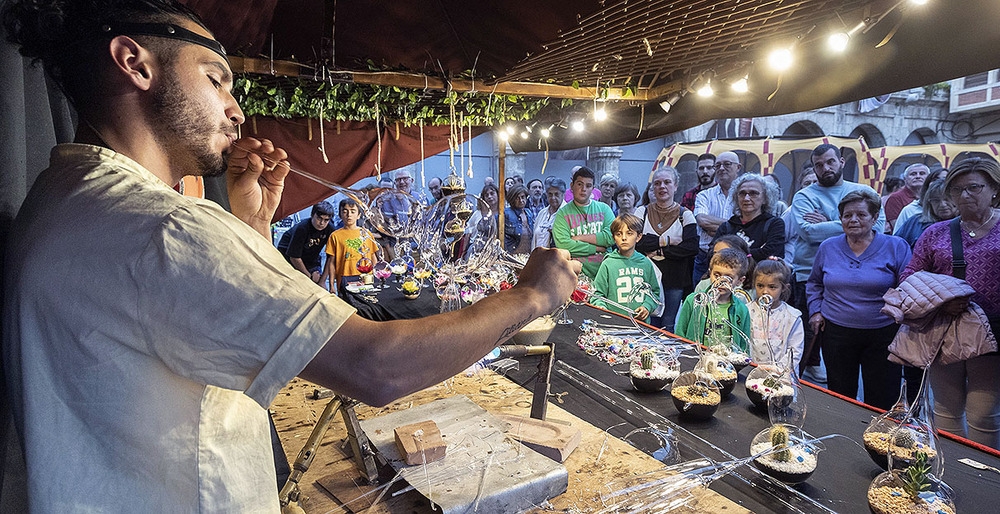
[[167, 30]]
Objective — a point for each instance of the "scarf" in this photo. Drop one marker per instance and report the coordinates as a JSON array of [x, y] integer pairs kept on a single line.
[[662, 218]]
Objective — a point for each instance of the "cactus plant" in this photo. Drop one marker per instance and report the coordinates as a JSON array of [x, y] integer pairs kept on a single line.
[[903, 438], [915, 477], [647, 358], [771, 382], [698, 390], [779, 441]]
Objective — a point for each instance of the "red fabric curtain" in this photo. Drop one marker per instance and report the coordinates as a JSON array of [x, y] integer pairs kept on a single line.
[[351, 148]]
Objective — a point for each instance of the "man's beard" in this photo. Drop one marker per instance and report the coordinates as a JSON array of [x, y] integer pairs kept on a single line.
[[182, 126], [829, 180], [705, 180]]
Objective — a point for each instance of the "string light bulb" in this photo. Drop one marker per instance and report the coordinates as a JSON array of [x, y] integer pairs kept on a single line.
[[742, 85], [511, 130], [918, 2], [525, 134], [577, 125], [545, 131], [706, 90], [780, 59], [838, 41], [600, 114], [503, 135]]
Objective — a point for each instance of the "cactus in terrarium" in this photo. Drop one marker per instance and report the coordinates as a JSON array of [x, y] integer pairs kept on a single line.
[[779, 441], [647, 359], [771, 382], [915, 476], [903, 438], [698, 390]]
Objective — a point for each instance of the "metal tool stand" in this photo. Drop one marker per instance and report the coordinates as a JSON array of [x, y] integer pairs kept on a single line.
[[361, 449], [540, 393]]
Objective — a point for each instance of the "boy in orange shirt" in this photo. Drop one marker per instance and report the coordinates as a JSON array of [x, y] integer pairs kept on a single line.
[[346, 247]]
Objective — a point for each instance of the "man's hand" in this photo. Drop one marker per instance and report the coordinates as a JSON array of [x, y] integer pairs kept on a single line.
[[814, 217], [817, 322], [316, 276], [641, 313], [255, 177], [551, 274], [956, 306]]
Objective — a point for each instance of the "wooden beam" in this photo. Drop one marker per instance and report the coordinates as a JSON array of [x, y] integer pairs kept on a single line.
[[419, 81]]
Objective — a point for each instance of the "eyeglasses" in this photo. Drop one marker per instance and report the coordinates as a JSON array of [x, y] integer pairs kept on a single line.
[[720, 165], [972, 189], [751, 194]]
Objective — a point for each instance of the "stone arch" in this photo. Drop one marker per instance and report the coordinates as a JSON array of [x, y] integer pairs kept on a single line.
[[717, 131], [921, 136], [873, 136], [803, 128]]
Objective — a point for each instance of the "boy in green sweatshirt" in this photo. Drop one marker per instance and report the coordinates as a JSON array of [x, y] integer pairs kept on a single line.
[[624, 271], [583, 226], [714, 325]]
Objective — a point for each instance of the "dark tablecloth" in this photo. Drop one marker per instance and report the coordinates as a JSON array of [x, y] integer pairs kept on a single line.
[[605, 399]]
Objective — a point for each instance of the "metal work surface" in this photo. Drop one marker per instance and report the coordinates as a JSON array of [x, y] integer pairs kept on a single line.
[[483, 470]]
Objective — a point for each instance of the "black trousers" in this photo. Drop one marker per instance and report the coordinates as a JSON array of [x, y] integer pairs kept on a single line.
[[846, 349]]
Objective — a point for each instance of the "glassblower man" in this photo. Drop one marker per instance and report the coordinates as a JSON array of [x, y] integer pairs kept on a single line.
[[141, 364]]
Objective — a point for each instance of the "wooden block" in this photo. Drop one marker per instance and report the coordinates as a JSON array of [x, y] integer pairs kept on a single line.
[[420, 442], [552, 440]]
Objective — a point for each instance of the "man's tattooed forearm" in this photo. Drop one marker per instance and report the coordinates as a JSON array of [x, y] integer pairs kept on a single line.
[[511, 330]]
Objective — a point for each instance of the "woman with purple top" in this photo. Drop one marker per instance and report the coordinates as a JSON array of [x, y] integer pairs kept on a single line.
[[968, 391], [849, 276]]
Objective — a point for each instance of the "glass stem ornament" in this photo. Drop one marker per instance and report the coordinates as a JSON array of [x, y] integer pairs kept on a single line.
[[916, 434]]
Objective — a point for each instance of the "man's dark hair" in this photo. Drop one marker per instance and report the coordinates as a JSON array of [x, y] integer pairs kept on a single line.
[[66, 36], [892, 184], [826, 147], [583, 171], [534, 180], [323, 208], [706, 156]]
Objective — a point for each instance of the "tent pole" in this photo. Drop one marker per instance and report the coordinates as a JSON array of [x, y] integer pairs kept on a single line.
[[502, 167]]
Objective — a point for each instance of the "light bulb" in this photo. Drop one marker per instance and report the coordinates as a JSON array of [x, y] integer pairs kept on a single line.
[[511, 130], [919, 2], [780, 59], [525, 134], [577, 126], [838, 41], [503, 135], [706, 90], [600, 114], [741, 85], [665, 105], [545, 132]]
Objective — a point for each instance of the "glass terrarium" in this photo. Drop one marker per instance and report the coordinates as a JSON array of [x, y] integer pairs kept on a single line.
[[452, 184], [788, 405], [876, 436], [913, 489], [732, 354], [786, 453], [763, 382], [696, 395], [650, 373]]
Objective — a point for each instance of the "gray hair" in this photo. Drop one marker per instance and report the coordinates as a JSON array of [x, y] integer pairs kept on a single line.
[[771, 194], [912, 167]]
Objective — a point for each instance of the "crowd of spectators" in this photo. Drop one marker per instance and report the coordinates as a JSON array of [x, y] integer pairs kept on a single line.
[[831, 253]]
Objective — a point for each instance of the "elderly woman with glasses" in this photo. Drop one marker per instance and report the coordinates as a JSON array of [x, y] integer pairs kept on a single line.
[[967, 393], [753, 217]]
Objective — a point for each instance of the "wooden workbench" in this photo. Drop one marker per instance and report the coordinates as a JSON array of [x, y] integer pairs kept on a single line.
[[599, 459]]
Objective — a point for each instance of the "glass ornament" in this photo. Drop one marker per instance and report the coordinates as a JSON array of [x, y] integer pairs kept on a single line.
[[721, 370], [876, 436], [788, 405], [915, 435]]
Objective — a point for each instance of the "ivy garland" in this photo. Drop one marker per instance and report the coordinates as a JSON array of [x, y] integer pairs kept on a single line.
[[288, 98]]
